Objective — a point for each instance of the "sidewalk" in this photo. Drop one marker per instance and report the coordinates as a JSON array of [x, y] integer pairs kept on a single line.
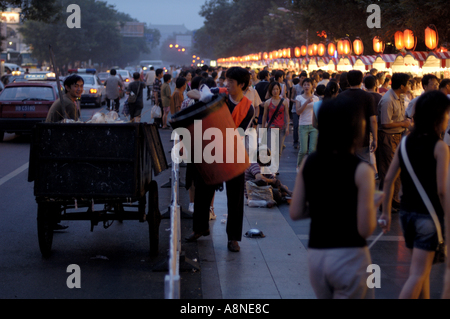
[[273, 267]]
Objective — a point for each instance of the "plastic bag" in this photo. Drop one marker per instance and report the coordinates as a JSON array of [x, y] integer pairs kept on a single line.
[[156, 112], [259, 196]]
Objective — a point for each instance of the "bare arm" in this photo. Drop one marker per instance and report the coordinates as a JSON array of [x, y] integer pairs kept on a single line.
[[391, 176], [298, 209], [374, 130], [366, 213]]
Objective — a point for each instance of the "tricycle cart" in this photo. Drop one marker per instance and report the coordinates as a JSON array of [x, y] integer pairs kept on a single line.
[[76, 167]]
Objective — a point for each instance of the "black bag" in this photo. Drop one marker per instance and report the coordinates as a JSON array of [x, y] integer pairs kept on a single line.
[[133, 97]]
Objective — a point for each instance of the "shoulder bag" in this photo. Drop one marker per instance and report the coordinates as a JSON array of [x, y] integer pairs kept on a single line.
[[275, 114], [133, 97], [441, 251]]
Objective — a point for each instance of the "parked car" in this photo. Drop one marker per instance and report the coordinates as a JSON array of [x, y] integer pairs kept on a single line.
[[23, 104]]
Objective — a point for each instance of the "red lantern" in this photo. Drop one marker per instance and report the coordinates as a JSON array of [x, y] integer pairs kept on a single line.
[[409, 39], [312, 50], [431, 37], [358, 46], [265, 55], [297, 52], [399, 40], [321, 49], [331, 49], [344, 47], [378, 45], [304, 50]]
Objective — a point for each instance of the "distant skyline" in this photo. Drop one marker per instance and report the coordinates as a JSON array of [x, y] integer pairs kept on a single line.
[[165, 12]]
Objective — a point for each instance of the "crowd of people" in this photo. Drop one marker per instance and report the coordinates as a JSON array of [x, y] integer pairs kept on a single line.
[[348, 128]]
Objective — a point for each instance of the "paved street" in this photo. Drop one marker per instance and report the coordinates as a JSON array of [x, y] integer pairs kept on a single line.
[[114, 263]]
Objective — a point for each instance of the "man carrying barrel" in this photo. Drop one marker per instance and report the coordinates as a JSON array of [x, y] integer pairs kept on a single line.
[[242, 112]]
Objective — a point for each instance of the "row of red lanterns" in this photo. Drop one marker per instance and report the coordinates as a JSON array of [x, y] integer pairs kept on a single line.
[[403, 40], [407, 40]]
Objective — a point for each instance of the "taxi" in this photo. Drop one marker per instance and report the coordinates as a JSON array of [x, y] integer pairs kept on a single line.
[[23, 104]]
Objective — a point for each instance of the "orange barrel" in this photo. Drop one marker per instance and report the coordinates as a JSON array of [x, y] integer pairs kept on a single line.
[[214, 115]]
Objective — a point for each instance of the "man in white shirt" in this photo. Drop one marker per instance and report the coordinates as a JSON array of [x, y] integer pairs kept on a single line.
[[429, 83]]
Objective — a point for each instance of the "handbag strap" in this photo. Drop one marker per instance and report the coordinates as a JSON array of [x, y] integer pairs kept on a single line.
[[421, 191], [276, 112]]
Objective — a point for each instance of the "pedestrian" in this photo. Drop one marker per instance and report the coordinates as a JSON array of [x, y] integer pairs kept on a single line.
[[276, 116], [261, 88], [149, 80], [69, 107], [331, 92], [242, 112], [157, 94], [392, 124], [429, 83], [177, 97], [429, 157], [135, 108], [384, 86], [336, 190], [113, 85], [366, 101], [166, 94], [306, 132]]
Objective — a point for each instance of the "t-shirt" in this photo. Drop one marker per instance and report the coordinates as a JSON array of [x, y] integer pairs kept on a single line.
[[248, 119], [332, 196], [367, 102], [306, 118]]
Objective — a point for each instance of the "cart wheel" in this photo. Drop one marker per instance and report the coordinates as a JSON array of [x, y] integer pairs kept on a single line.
[[153, 218], [45, 221]]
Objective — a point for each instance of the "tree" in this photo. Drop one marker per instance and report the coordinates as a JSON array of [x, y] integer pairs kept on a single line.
[[98, 39], [37, 10]]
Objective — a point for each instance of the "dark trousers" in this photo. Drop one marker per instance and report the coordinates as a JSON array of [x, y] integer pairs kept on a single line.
[[235, 202], [387, 145], [116, 106], [295, 119]]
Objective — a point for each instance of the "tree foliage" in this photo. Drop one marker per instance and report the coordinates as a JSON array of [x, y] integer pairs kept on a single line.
[[240, 27], [98, 39]]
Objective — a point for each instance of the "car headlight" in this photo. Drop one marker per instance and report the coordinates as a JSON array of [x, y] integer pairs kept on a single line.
[[93, 91]]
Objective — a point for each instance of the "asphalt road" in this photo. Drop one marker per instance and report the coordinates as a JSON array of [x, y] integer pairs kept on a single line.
[[113, 263]]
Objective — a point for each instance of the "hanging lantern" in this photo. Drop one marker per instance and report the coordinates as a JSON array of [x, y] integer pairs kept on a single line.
[[378, 45], [409, 40], [280, 54], [297, 52], [358, 46], [431, 37], [303, 50], [321, 49], [399, 40], [344, 47], [331, 49], [312, 50], [265, 55]]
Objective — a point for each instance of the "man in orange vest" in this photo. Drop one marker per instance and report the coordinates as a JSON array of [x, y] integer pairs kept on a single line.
[[242, 112]]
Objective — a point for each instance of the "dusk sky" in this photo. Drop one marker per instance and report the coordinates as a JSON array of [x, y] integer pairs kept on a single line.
[[163, 11]]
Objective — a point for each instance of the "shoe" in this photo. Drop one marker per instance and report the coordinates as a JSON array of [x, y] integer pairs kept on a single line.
[[296, 146], [233, 246], [191, 207], [212, 216], [194, 236], [59, 227]]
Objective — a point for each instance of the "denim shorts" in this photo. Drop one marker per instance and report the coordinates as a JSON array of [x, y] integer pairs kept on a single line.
[[419, 230]]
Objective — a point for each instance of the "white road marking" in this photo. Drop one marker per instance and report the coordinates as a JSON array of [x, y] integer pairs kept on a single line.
[[13, 174]]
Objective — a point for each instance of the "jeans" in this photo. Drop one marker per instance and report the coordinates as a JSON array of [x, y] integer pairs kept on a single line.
[[306, 133], [420, 231]]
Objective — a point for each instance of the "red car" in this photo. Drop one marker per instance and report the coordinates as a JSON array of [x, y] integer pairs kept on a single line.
[[23, 104]]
